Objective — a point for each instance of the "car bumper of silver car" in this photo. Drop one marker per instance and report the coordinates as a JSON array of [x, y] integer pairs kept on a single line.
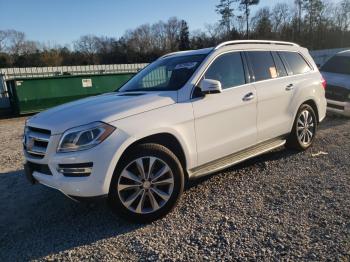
[[338, 107]]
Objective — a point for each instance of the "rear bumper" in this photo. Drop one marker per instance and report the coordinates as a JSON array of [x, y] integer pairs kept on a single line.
[[342, 108]]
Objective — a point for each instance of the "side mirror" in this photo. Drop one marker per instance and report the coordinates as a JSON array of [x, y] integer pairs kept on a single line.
[[210, 86]]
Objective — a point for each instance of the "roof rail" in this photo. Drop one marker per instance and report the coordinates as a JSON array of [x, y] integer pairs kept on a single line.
[[238, 42]]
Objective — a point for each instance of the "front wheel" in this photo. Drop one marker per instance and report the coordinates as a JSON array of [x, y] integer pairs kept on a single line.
[[304, 129], [147, 184]]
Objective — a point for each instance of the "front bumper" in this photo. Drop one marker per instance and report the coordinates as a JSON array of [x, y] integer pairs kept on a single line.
[[103, 158], [342, 108]]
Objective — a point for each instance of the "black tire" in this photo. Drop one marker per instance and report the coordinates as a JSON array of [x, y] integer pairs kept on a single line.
[[293, 141], [139, 151]]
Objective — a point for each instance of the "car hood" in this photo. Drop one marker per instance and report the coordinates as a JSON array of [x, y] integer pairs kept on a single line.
[[337, 79], [107, 108]]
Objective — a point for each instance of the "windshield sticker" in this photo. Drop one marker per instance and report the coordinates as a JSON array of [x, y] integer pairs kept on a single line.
[[188, 65]]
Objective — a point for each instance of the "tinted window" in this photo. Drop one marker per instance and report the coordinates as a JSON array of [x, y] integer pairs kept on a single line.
[[337, 64], [169, 73], [228, 69], [262, 64], [281, 70], [296, 62]]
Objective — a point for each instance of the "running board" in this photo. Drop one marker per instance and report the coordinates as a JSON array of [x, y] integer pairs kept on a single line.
[[236, 158]]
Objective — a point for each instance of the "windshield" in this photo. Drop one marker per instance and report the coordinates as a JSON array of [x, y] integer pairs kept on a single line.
[[165, 74], [337, 64]]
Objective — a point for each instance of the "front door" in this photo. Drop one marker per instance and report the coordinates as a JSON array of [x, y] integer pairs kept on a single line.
[[225, 122]]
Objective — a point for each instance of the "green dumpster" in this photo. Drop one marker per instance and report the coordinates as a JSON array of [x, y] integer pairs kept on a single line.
[[30, 95]]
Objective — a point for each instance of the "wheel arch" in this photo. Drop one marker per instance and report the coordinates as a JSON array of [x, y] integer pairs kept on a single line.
[[165, 139], [313, 104]]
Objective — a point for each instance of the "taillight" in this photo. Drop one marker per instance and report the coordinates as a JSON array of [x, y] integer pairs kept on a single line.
[[324, 83]]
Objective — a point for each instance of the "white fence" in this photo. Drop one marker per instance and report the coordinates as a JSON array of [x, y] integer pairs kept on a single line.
[[29, 72]]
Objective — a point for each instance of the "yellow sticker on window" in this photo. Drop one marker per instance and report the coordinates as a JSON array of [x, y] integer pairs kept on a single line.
[[273, 72]]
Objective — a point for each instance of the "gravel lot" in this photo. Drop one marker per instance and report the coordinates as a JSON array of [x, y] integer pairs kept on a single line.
[[282, 205]]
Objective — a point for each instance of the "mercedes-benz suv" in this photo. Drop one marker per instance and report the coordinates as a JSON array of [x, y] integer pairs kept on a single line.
[[186, 115]]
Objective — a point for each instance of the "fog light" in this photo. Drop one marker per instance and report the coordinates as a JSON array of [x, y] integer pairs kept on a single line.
[[75, 170]]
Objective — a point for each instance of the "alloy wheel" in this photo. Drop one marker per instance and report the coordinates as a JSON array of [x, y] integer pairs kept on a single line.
[[145, 185], [305, 127]]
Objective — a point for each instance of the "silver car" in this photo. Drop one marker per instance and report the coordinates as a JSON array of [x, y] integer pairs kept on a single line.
[[336, 71]]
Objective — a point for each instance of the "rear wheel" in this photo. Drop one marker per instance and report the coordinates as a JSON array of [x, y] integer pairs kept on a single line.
[[304, 129], [147, 184]]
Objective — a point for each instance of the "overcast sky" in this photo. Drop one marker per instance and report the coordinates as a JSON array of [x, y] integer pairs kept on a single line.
[[63, 21]]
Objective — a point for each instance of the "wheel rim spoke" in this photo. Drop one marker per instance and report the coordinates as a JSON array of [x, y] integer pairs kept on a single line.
[[306, 140], [141, 202], [309, 132], [131, 176], [163, 182], [132, 198], [153, 201], [161, 194], [125, 186], [160, 173], [140, 167], [301, 123], [306, 116], [152, 161]]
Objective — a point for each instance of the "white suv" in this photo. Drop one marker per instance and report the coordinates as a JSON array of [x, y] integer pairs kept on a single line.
[[185, 115]]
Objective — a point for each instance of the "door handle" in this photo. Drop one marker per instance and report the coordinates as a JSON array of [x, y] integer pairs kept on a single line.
[[248, 97], [289, 87]]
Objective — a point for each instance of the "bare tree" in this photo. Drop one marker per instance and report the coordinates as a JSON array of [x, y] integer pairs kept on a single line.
[[342, 15], [173, 28], [262, 24], [3, 38], [16, 41], [87, 45], [280, 16]]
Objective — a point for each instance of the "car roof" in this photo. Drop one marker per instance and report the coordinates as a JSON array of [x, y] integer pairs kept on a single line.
[[230, 44]]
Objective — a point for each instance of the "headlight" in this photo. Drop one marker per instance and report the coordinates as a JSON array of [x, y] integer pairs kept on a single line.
[[84, 137]]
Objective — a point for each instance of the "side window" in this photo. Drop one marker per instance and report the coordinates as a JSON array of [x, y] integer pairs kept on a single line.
[[281, 70], [262, 64], [296, 62], [228, 69]]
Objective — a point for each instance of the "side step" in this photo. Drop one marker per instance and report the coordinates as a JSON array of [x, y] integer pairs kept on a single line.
[[236, 158]]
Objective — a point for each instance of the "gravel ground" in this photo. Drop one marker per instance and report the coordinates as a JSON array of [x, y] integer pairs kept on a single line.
[[280, 206]]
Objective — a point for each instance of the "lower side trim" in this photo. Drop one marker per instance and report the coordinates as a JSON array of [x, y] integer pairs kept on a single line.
[[236, 158], [87, 199]]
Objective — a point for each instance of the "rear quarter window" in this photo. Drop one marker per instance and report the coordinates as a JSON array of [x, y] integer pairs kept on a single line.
[[296, 63]]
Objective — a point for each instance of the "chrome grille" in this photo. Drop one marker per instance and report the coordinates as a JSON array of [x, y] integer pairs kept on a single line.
[[36, 141]]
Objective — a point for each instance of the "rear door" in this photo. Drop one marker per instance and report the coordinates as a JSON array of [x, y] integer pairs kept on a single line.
[[274, 91]]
